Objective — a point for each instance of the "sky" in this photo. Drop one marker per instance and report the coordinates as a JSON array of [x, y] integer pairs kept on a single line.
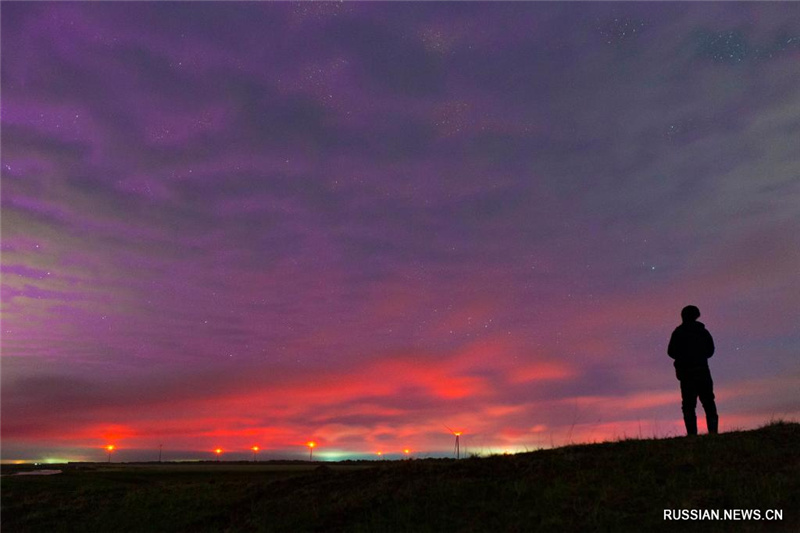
[[369, 224]]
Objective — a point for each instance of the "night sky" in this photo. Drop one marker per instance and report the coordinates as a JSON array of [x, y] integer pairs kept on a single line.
[[227, 225]]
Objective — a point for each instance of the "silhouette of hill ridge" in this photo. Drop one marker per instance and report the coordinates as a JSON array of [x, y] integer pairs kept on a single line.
[[614, 486]]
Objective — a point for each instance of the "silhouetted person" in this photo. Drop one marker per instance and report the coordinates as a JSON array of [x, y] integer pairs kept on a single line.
[[691, 346]]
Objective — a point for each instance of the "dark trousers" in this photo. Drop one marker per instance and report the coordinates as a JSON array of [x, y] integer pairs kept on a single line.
[[697, 383]]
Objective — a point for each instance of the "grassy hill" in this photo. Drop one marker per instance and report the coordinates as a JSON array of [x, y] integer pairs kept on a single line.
[[620, 486]]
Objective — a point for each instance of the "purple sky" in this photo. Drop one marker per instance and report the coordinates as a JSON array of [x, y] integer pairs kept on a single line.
[[228, 224]]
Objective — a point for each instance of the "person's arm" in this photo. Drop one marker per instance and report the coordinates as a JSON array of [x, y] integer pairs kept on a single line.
[[709, 345], [672, 348]]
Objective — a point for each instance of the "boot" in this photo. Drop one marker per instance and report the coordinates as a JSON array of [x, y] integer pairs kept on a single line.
[[690, 420], [712, 421]]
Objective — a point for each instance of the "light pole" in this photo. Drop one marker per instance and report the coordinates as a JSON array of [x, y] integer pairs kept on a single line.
[[110, 449], [311, 446], [255, 451], [457, 434]]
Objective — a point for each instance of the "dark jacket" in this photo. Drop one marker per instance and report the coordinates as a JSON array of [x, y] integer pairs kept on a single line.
[[691, 346]]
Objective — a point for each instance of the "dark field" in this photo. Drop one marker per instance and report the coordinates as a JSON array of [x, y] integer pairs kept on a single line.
[[622, 486]]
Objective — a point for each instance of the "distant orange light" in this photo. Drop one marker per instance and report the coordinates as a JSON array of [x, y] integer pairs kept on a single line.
[[218, 451], [254, 448], [458, 433], [110, 447], [379, 453], [406, 451], [311, 450]]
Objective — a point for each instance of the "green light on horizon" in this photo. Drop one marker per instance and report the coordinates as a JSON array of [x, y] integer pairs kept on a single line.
[[54, 460]]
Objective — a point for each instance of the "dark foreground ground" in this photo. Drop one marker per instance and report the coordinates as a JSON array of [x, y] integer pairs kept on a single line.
[[622, 486]]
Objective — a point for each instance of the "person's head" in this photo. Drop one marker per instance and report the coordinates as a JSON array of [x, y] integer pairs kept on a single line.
[[690, 313]]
